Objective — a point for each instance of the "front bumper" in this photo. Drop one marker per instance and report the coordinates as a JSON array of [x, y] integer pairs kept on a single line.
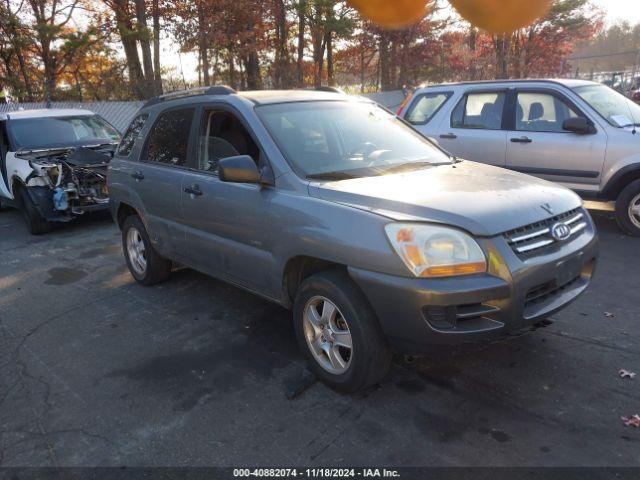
[[515, 294], [42, 198]]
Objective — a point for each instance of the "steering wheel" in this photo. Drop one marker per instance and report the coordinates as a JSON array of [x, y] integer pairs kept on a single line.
[[366, 149], [377, 155]]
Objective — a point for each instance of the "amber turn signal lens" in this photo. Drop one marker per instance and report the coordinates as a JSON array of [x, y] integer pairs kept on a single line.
[[455, 270], [391, 13], [501, 16]]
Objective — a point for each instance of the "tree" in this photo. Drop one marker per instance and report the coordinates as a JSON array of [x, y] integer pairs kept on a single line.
[[50, 25]]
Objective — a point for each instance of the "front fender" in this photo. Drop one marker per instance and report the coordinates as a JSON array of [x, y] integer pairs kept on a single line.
[[618, 175]]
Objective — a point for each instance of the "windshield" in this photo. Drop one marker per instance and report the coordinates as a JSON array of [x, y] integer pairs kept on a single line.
[[615, 108], [55, 132], [339, 140]]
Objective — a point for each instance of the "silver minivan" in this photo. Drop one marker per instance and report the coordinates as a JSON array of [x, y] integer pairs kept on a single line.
[[580, 134], [334, 208]]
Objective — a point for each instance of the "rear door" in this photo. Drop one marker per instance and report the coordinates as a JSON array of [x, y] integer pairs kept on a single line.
[[537, 144], [159, 177], [475, 129]]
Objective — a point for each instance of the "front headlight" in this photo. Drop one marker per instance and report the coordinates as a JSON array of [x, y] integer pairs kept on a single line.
[[432, 251]]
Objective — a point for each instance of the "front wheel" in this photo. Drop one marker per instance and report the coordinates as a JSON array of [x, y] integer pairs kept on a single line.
[[628, 209], [145, 264], [339, 333], [36, 223]]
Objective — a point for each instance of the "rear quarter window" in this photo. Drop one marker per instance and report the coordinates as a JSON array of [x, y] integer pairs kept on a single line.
[[131, 135], [425, 107]]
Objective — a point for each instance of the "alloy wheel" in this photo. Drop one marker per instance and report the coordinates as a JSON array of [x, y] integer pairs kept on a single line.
[[136, 251], [328, 335], [634, 210]]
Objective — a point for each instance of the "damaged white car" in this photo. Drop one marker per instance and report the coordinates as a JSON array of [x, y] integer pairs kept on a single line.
[[53, 164]]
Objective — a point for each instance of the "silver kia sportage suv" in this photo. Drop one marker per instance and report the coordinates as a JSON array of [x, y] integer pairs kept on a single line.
[[580, 134], [332, 207]]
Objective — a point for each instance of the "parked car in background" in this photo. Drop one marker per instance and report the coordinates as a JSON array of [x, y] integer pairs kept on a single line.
[[331, 206], [53, 164], [577, 133]]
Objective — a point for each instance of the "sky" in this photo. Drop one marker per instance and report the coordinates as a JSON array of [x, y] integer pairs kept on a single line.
[[620, 10], [615, 10]]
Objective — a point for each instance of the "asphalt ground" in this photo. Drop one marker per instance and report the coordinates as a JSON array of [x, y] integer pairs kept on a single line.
[[96, 370]]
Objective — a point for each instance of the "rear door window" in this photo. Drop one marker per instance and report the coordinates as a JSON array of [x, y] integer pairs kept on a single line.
[[169, 138], [131, 135], [425, 107], [480, 110]]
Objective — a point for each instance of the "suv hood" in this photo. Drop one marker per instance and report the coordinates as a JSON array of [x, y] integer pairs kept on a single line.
[[481, 199]]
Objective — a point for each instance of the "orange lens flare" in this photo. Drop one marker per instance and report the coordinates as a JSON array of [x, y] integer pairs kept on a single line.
[[405, 235], [501, 16], [392, 13]]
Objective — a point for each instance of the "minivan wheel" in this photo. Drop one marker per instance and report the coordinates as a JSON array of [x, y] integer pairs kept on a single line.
[[628, 209], [145, 264], [36, 224], [339, 333]]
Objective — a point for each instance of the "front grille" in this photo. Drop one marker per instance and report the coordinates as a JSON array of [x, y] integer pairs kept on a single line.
[[537, 237], [548, 291]]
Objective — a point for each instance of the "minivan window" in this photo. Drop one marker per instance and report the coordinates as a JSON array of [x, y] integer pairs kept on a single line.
[[131, 135], [424, 109], [541, 112], [615, 108], [339, 139], [169, 138], [482, 110]]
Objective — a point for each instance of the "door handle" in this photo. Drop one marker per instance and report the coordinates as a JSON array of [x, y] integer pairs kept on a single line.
[[449, 136], [193, 190], [521, 140], [137, 176]]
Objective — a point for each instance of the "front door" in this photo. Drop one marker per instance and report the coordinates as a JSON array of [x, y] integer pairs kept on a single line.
[[159, 177], [537, 144], [228, 224], [475, 129]]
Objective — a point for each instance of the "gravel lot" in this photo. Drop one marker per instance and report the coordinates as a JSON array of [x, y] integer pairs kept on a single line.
[[96, 370]]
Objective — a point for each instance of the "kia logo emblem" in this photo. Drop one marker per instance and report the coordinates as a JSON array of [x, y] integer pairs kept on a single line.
[[560, 231]]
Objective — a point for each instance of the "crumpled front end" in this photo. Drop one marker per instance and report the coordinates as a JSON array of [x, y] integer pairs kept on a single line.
[[69, 183]]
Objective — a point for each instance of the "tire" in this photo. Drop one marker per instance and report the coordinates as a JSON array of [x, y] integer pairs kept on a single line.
[[369, 359], [629, 199], [155, 268], [36, 224]]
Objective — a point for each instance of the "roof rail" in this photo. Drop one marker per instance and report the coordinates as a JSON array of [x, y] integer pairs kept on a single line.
[[192, 92], [324, 88]]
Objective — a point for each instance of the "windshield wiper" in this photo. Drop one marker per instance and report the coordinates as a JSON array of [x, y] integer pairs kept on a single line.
[[100, 145], [331, 176], [45, 151], [410, 166]]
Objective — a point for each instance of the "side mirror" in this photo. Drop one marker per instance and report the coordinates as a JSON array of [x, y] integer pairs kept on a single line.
[[579, 125], [242, 169]]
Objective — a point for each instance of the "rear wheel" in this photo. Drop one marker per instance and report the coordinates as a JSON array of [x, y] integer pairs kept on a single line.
[[628, 209], [145, 264], [36, 223], [339, 333]]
